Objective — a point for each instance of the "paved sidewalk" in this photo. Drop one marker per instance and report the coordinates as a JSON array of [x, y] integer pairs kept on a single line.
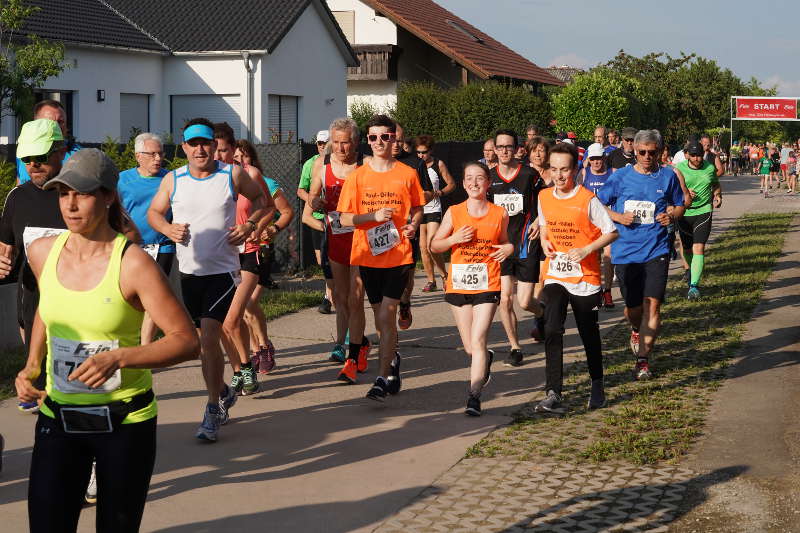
[[310, 454]]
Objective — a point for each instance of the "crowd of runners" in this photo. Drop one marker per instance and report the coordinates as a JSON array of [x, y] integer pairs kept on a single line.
[[546, 225]]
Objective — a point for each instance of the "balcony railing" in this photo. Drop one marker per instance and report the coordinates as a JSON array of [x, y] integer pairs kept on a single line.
[[377, 62]]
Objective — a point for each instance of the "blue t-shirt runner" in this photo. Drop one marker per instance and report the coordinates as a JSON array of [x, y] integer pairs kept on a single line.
[[593, 182], [647, 196], [136, 192]]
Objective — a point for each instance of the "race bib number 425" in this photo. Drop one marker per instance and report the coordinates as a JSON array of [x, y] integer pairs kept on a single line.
[[561, 266], [383, 238], [470, 277], [68, 355], [511, 202], [644, 212]]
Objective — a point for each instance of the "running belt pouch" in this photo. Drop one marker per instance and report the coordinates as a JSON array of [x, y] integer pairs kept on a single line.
[[97, 418]]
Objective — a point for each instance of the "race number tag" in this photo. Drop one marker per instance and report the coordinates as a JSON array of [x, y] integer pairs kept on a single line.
[[561, 266], [68, 355], [383, 238], [470, 277], [30, 234], [511, 202], [644, 212], [335, 223], [151, 249]]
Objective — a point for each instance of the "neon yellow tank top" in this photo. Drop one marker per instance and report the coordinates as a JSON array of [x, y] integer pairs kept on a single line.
[[82, 323]]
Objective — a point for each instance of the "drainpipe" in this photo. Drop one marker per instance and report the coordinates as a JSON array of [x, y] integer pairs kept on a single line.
[[250, 94]]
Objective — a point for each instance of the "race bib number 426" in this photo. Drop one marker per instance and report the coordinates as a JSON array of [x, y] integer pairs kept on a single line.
[[383, 238], [561, 266], [470, 277], [68, 355], [511, 202], [644, 212]]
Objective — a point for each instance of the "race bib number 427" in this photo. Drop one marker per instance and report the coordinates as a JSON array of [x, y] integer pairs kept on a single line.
[[383, 238], [644, 212], [67, 355]]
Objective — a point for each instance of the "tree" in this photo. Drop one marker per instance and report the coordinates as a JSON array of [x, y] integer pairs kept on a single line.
[[605, 97], [361, 111], [25, 62]]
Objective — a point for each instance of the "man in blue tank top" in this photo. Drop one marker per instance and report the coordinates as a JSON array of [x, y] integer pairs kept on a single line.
[[202, 196]]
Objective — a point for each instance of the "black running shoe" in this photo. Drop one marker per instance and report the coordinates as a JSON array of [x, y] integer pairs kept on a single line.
[[551, 404], [378, 390], [394, 382], [597, 399], [325, 307], [473, 406], [514, 358], [489, 361]]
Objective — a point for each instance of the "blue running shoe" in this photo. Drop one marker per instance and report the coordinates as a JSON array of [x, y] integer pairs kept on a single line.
[[338, 354], [694, 293], [226, 400], [28, 407], [211, 421]]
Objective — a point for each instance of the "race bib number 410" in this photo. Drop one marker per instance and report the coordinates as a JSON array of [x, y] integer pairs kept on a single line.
[[561, 266], [383, 238], [68, 355], [644, 212], [470, 277], [511, 202]]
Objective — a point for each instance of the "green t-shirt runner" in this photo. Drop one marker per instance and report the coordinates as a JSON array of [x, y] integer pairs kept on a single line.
[[702, 181], [766, 164], [305, 182]]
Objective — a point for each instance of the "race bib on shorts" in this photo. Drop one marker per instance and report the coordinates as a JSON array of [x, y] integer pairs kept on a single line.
[[151, 249], [561, 266], [31, 233], [335, 223], [470, 277], [383, 238], [644, 212], [68, 355], [511, 202]]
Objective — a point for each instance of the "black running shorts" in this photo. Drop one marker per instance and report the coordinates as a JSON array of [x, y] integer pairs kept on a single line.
[[249, 262], [640, 280], [384, 282], [431, 217], [694, 229], [459, 299], [208, 296], [526, 270]]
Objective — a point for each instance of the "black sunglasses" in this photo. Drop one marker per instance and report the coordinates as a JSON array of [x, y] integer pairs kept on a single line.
[[40, 159], [651, 153], [630, 140], [422, 152], [385, 137]]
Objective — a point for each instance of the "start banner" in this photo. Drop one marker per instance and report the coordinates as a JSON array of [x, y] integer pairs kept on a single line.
[[755, 108]]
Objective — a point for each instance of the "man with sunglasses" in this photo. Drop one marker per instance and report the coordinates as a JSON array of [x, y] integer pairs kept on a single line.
[[53, 110], [317, 235], [516, 187], [379, 198], [31, 212], [643, 199], [202, 196], [624, 156]]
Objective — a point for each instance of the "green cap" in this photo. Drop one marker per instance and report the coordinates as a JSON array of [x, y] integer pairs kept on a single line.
[[37, 136]]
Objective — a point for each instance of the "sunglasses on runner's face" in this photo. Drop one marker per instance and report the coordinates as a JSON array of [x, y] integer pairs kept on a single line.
[[40, 159], [385, 137], [651, 153], [422, 152], [321, 143], [628, 140]]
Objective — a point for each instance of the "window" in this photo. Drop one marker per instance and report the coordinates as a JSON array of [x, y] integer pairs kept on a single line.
[[282, 120], [134, 114], [65, 97], [347, 21]]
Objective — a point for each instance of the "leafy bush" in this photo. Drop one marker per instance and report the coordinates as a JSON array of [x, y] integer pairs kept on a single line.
[[8, 180], [468, 113], [361, 111]]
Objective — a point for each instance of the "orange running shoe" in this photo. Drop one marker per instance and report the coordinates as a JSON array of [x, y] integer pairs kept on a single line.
[[405, 319], [363, 354], [348, 372]]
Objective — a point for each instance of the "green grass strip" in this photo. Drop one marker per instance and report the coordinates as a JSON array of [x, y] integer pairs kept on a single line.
[[657, 420]]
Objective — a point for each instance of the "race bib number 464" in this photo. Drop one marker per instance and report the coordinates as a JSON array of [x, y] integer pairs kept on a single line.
[[511, 202], [68, 355], [470, 277], [644, 212], [561, 266], [383, 238]]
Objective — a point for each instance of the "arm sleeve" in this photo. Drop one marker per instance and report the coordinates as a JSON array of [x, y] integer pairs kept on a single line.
[[600, 217]]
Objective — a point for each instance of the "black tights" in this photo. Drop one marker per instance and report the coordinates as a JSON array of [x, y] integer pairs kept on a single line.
[[585, 309], [60, 470]]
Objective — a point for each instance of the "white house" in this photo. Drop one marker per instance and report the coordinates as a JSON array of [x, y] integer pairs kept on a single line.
[[273, 69], [419, 40]]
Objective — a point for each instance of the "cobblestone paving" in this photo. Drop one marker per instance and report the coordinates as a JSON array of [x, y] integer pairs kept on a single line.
[[501, 495]]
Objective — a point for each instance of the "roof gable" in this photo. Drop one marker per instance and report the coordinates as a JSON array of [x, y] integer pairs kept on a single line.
[[461, 41]]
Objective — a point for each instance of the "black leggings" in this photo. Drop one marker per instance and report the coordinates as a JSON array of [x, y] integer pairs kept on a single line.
[[60, 470], [585, 309]]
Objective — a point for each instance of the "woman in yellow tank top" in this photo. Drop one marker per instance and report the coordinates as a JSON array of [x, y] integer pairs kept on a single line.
[[99, 405], [477, 233]]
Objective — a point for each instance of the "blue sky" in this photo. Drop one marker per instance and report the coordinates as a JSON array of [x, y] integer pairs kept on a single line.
[[759, 39]]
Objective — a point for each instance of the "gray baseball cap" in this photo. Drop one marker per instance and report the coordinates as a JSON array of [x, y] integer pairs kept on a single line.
[[86, 171]]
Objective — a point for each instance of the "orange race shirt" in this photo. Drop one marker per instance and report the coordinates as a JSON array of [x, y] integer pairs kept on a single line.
[[381, 244], [471, 269], [568, 227]]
